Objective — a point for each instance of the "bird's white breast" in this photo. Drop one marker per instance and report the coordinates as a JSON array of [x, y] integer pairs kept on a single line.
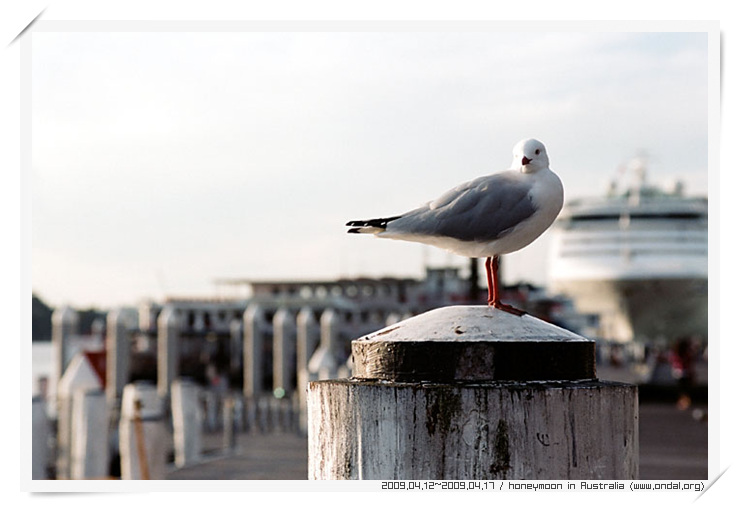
[[547, 196]]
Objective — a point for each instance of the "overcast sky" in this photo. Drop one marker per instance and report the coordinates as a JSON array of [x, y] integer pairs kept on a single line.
[[162, 161]]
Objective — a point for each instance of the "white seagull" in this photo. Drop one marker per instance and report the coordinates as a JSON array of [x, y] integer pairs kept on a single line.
[[486, 217]]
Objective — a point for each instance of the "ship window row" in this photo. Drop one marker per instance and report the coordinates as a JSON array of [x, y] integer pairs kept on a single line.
[[643, 215], [698, 237], [570, 253]]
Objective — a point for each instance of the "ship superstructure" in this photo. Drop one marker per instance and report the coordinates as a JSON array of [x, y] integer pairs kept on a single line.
[[637, 258]]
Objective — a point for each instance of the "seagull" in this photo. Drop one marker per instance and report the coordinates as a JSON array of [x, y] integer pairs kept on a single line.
[[486, 217]]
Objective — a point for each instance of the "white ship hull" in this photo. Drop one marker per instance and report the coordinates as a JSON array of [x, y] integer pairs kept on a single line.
[[638, 260], [651, 311]]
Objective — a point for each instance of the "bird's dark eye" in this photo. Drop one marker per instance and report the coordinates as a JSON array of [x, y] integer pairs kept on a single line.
[[537, 152]]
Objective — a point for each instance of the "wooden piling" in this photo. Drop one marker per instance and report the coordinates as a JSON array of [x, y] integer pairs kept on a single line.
[[187, 421], [472, 393], [120, 324], [254, 335], [307, 339], [89, 449], [168, 353], [40, 441], [142, 433], [327, 359], [283, 352], [65, 323]]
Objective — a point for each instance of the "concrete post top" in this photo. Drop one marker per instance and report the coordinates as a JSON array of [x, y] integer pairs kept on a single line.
[[141, 399], [473, 343], [472, 323], [65, 314], [305, 316], [282, 314], [168, 317], [125, 317], [253, 311]]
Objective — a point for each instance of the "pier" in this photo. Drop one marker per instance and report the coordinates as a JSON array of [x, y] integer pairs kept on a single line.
[[248, 416], [673, 445], [472, 393]]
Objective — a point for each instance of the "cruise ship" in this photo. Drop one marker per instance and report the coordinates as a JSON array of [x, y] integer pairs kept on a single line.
[[637, 258]]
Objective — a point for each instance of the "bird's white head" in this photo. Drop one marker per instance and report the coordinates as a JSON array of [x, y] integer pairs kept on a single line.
[[530, 156]]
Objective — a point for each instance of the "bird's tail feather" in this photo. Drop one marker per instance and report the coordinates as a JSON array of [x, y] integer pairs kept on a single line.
[[371, 226]]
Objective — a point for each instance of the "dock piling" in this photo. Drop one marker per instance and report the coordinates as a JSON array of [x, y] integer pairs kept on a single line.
[[470, 393], [142, 433]]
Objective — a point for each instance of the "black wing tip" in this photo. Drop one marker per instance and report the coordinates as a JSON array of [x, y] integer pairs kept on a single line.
[[371, 223], [353, 230]]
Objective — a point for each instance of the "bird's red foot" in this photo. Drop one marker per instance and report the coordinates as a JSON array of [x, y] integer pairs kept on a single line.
[[505, 307]]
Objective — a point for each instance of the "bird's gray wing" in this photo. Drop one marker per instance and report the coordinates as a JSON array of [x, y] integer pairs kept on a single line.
[[481, 210]]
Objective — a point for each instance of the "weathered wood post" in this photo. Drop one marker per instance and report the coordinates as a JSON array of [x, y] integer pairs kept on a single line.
[[236, 345], [283, 359], [142, 433], [168, 355], [187, 421], [307, 338], [472, 393], [40, 442], [120, 322], [254, 328], [65, 323], [78, 375], [89, 448], [327, 359]]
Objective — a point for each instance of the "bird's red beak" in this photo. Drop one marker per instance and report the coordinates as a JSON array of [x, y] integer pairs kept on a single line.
[[525, 160]]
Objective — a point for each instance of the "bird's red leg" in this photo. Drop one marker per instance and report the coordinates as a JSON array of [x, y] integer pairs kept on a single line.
[[493, 289], [489, 271]]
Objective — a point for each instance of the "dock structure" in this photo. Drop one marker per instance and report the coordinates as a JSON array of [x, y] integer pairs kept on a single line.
[[89, 429], [187, 421], [307, 339], [466, 399], [284, 352], [168, 345], [238, 365], [471, 392], [255, 337], [119, 323], [40, 444], [142, 433], [65, 325]]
